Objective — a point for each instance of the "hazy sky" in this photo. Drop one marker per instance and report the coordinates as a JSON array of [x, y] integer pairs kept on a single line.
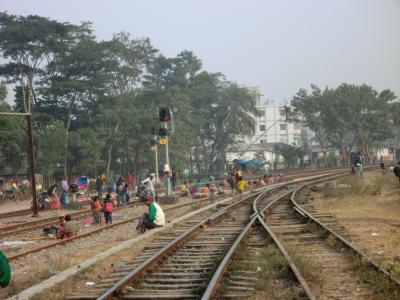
[[278, 45]]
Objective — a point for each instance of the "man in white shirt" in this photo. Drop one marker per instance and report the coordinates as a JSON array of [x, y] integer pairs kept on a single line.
[[152, 219]]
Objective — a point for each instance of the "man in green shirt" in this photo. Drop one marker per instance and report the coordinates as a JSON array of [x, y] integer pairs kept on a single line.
[[153, 218]]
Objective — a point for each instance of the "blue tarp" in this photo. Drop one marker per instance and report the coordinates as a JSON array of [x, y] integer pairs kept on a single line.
[[256, 162]]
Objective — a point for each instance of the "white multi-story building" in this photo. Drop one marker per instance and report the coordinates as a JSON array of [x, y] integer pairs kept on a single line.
[[271, 126]]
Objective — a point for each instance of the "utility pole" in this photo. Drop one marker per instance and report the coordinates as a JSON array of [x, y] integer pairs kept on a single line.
[[165, 116], [167, 162], [154, 143], [32, 165], [156, 151]]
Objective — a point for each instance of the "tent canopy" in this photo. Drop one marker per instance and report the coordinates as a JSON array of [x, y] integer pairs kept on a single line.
[[246, 162]]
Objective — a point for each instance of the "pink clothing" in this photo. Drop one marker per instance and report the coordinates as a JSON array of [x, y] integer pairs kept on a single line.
[[108, 207], [55, 202]]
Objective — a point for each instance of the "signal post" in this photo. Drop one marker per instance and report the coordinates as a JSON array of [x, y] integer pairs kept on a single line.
[[165, 116]]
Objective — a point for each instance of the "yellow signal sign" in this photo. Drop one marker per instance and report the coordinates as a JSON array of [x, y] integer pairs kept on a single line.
[[163, 141]]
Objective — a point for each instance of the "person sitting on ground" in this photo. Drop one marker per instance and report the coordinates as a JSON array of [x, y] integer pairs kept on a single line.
[[185, 189], [108, 208], [212, 189], [152, 219], [396, 170], [55, 202], [5, 270], [95, 207], [225, 184], [71, 228], [60, 228], [221, 189]]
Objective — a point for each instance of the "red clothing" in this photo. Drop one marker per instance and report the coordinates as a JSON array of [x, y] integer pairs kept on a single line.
[[130, 179], [96, 205], [108, 206], [55, 202]]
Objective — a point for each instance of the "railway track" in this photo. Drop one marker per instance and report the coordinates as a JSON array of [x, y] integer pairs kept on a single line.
[[336, 264], [193, 260], [24, 212], [180, 264], [50, 243], [15, 229]]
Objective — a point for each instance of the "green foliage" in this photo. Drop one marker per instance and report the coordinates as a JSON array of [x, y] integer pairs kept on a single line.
[[3, 95], [347, 116], [13, 142], [85, 154], [291, 154], [51, 148], [94, 102]]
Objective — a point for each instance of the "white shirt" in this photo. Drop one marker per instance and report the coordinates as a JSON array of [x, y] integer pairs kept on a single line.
[[160, 217]]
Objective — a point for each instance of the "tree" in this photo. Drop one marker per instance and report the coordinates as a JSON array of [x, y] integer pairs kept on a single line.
[[346, 116], [75, 78], [127, 61], [28, 44], [51, 149], [308, 108], [291, 154]]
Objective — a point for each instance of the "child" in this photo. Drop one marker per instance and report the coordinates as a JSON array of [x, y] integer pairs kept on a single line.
[[95, 206], [281, 177], [108, 208], [232, 182], [60, 228], [241, 184], [71, 228]]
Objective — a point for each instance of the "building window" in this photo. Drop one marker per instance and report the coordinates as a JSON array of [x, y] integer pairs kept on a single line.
[[284, 139], [261, 112], [262, 127], [283, 126], [263, 141], [281, 112], [296, 126]]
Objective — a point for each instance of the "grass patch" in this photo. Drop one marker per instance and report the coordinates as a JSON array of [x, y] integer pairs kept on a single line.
[[274, 277], [383, 287], [352, 186]]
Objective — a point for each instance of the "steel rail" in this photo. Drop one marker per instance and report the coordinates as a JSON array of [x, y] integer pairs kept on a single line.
[[133, 275], [32, 225], [294, 173], [345, 242], [258, 215], [154, 259], [222, 267], [65, 241]]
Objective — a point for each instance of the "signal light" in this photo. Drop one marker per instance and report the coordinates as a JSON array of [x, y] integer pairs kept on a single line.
[[164, 113], [162, 131], [153, 131], [153, 142]]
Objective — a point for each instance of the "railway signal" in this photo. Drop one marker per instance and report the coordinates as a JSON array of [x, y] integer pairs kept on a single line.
[[163, 132], [164, 114]]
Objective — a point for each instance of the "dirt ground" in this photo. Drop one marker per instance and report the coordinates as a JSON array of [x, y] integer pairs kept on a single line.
[[369, 209]]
